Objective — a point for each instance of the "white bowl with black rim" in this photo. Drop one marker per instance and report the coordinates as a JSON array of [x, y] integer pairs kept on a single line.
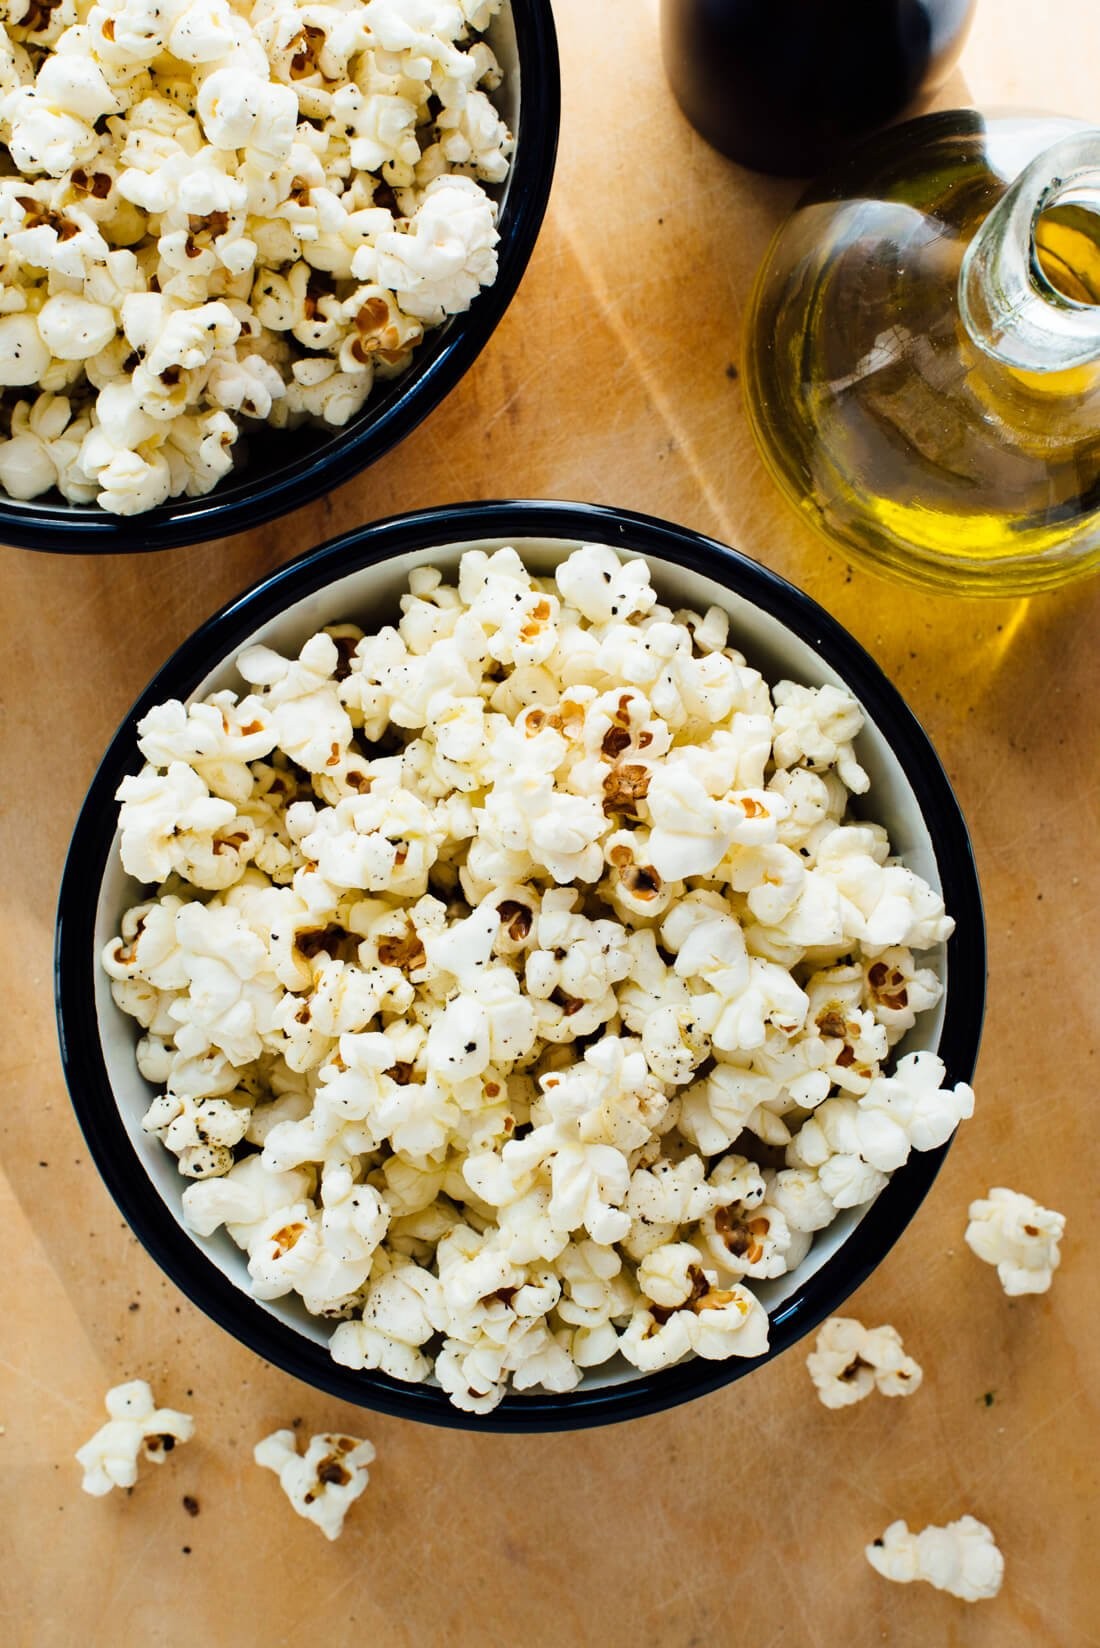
[[359, 578]]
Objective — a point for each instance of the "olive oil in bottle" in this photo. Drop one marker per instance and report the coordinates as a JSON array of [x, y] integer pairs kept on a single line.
[[922, 359]]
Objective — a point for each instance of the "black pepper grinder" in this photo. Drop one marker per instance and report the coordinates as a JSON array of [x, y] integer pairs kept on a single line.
[[783, 85]]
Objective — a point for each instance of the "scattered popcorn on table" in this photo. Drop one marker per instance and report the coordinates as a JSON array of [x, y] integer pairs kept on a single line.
[[136, 1426], [961, 1559], [849, 1361], [1009, 1230], [228, 213], [496, 958], [323, 1483]]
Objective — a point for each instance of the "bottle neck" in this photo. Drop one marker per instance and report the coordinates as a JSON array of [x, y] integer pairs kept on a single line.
[[1010, 307]]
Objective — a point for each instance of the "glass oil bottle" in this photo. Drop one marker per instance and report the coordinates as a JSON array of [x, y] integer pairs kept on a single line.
[[922, 356]]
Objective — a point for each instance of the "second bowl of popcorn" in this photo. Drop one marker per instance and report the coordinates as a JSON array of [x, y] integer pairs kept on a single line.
[[244, 254], [519, 991]]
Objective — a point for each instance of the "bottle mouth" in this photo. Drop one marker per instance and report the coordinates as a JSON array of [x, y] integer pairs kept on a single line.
[[1029, 287], [1065, 247]]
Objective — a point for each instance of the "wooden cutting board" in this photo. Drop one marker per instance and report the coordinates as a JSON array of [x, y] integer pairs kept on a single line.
[[740, 1520]]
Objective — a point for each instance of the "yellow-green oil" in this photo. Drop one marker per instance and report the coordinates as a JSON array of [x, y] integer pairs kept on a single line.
[[1068, 251], [891, 431]]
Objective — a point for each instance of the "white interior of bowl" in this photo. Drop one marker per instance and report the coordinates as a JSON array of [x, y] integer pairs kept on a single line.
[[370, 598], [501, 35]]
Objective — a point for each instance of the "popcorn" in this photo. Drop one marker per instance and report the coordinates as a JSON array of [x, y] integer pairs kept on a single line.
[[72, 328], [915, 1101], [169, 821], [589, 1174], [634, 888], [856, 1043], [301, 697], [423, 31], [136, 1427], [601, 587], [218, 739], [691, 833], [855, 1144], [231, 1001], [24, 353], [526, 816], [474, 1378], [323, 1483], [201, 1132], [43, 139], [717, 1109], [573, 968], [744, 995], [610, 1097], [75, 85], [881, 904], [324, 1255], [188, 337], [961, 1559], [897, 990], [1010, 1230], [596, 1290], [239, 110], [815, 726], [397, 875], [849, 1361], [750, 1235], [402, 1310], [247, 384], [667, 1275], [129, 482], [43, 447], [195, 224], [472, 136], [437, 265], [799, 1196], [243, 1200], [713, 1322], [203, 34]]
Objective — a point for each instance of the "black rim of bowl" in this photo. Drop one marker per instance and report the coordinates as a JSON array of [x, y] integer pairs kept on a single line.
[[395, 408], [182, 1257]]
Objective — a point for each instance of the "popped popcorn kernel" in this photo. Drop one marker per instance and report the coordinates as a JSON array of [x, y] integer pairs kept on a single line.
[[849, 1361], [323, 1483], [136, 1428], [1009, 1229], [961, 1559]]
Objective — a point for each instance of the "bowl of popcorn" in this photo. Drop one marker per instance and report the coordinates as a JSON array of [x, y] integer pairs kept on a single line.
[[246, 249], [519, 966]]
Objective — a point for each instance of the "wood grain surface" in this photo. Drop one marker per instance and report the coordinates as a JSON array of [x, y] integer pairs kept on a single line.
[[740, 1519]]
